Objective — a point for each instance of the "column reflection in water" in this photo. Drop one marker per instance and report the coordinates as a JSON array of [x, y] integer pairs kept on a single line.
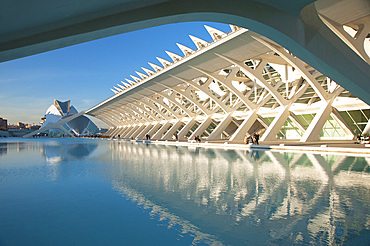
[[248, 197]]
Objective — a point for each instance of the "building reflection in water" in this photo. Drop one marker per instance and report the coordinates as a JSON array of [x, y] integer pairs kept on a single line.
[[3, 148], [55, 152], [58, 155], [253, 197]]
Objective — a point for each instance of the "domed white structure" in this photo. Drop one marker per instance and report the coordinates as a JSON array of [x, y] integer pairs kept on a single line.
[[78, 126]]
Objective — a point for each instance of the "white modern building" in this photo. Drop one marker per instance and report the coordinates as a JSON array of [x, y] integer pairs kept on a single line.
[[238, 84], [55, 127]]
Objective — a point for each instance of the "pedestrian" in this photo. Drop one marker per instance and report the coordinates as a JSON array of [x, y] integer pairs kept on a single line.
[[257, 137], [359, 137]]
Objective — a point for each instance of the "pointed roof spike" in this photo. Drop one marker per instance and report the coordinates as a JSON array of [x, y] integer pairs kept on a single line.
[[148, 71], [143, 76], [186, 50], [200, 43], [235, 28], [215, 33], [130, 81], [126, 84], [117, 89], [174, 57], [121, 86], [115, 92], [135, 78], [164, 62], [155, 67]]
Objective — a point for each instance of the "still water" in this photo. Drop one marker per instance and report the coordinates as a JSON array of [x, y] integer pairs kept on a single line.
[[100, 192]]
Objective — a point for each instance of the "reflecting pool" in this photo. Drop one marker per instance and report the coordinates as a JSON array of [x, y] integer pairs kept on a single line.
[[101, 192]]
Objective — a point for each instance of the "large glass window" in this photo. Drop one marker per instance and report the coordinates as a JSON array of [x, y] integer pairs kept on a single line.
[[331, 129], [356, 119], [290, 131]]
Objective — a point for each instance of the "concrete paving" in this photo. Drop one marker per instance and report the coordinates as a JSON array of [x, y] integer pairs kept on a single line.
[[350, 147]]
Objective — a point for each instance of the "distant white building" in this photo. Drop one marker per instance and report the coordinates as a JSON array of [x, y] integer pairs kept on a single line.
[[77, 127]]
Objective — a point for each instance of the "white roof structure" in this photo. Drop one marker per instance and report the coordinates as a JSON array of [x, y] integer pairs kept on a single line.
[[312, 30], [239, 84], [62, 118]]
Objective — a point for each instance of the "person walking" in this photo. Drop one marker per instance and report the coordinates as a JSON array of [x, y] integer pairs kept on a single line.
[[257, 137]]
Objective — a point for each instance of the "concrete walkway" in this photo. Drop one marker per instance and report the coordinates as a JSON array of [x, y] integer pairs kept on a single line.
[[346, 147]]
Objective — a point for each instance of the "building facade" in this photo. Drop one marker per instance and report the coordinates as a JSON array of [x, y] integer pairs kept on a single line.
[[239, 84], [76, 127], [3, 124]]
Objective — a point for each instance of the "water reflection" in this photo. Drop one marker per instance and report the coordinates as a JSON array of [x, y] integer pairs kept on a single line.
[[3, 148], [56, 152], [256, 197], [214, 196]]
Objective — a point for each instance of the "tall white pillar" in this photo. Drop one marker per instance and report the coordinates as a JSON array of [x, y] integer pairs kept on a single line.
[[202, 127], [182, 133], [145, 131], [316, 125], [169, 133], [367, 128], [129, 134], [110, 130], [122, 130], [240, 133], [137, 131], [276, 124], [159, 133], [154, 129], [125, 130], [112, 135], [216, 133]]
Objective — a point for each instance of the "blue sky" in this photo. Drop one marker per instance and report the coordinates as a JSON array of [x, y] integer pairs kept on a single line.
[[84, 73]]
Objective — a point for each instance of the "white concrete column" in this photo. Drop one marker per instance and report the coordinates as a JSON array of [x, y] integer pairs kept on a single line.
[[216, 133], [240, 133], [367, 128], [129, 133], [110, 130], [125, 130], [137, 131], [316, 125], [122, 129], [169, 133], [182, 133], [201, 128], [159, 133], [155, 128], [128, 129], [112, 135], [281, 118], [276, 124], [144, 131]]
